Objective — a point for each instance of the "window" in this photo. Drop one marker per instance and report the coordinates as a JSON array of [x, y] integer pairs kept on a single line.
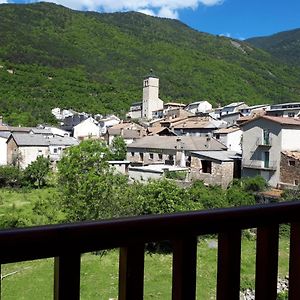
[[160, 156], [266, 137], [291, 114], [132, 153], [292, 163], [206, 166], [142, 156], [218, 136], [151, 155], [55, 150], [171, 157], [296, 182]]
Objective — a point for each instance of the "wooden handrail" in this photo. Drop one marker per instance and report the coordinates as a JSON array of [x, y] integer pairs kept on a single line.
[[67, 241]]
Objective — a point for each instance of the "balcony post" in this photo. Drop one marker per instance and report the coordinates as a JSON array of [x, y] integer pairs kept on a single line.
[[229, 265], [131, 272], [266, 262], [184, 269], [294, 267], [67, 277]]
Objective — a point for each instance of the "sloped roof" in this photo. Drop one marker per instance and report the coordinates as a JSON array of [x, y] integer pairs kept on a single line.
[[126, 134], [279, 120], [218, 155], [39, 140], [190, 143], [5, 134], [227, 130], [292, 154]]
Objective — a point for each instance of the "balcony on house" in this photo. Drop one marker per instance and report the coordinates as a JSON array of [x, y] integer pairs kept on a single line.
[[265, 141], [67, 242], [268, 165]]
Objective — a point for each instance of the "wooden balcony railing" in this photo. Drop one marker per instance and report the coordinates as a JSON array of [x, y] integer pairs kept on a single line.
[[67, 242]]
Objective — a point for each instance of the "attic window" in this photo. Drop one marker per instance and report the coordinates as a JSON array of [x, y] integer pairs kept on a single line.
[[292, 163]]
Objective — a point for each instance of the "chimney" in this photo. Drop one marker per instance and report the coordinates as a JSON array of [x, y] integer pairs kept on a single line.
[[1, 120]]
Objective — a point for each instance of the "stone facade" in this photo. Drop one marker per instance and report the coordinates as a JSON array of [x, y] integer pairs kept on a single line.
[[289, 170], [221, 173]]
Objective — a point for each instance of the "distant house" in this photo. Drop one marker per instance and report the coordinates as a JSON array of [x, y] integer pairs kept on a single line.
[[199, 107], [255, 109], [216, 167], [231, 137], [129, 135], [71, 121], [232, 108], [108, 122], [135, 110], [170, 150], [284, 110], [23, 149], [197, 126], [89, 128], [4, 135], [264, 139], [206, 158]]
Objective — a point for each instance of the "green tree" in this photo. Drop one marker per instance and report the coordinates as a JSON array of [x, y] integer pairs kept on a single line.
[[10, 176], [37, 171], [91, 189], [118, 148]]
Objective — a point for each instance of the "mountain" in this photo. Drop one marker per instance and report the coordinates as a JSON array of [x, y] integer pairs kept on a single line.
[[283, 45], [51, 56]]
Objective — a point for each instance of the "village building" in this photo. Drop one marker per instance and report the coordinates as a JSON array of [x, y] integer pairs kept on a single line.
[[4, 135], [129, 131], [254, 109], [187, 152], [23, 149], [264, 139], [197, 126], [290, 110], [290, 169], [71, 121], [108, 122], [89, 128], [216, 167], [231, 137], [199, 107]]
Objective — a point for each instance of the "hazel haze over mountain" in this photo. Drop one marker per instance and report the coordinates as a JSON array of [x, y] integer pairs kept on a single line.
[[51, 56]]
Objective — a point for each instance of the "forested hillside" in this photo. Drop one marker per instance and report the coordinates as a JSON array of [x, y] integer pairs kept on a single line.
[[52, 56], [283, 45]]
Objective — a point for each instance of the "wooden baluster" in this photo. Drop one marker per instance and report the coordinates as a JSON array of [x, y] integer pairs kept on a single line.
[[184, 269], [229, 265], [266, 263], [294, 272], [131, 272], [67, 277]]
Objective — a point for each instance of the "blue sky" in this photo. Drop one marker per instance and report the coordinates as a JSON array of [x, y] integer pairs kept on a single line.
[[235, 18]]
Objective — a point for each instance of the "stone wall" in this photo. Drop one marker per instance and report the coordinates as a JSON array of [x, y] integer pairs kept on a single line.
[[289, 174], [221, 173]]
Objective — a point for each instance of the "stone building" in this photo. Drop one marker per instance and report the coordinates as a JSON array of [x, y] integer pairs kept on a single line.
[[290, 169]]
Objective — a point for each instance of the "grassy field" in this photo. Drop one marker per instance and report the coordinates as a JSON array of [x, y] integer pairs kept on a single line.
[[99, 274]]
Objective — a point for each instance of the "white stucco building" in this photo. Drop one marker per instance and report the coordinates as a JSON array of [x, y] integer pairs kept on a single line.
[[3, 147], [87, 128], [199, 107], [264, 139]]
